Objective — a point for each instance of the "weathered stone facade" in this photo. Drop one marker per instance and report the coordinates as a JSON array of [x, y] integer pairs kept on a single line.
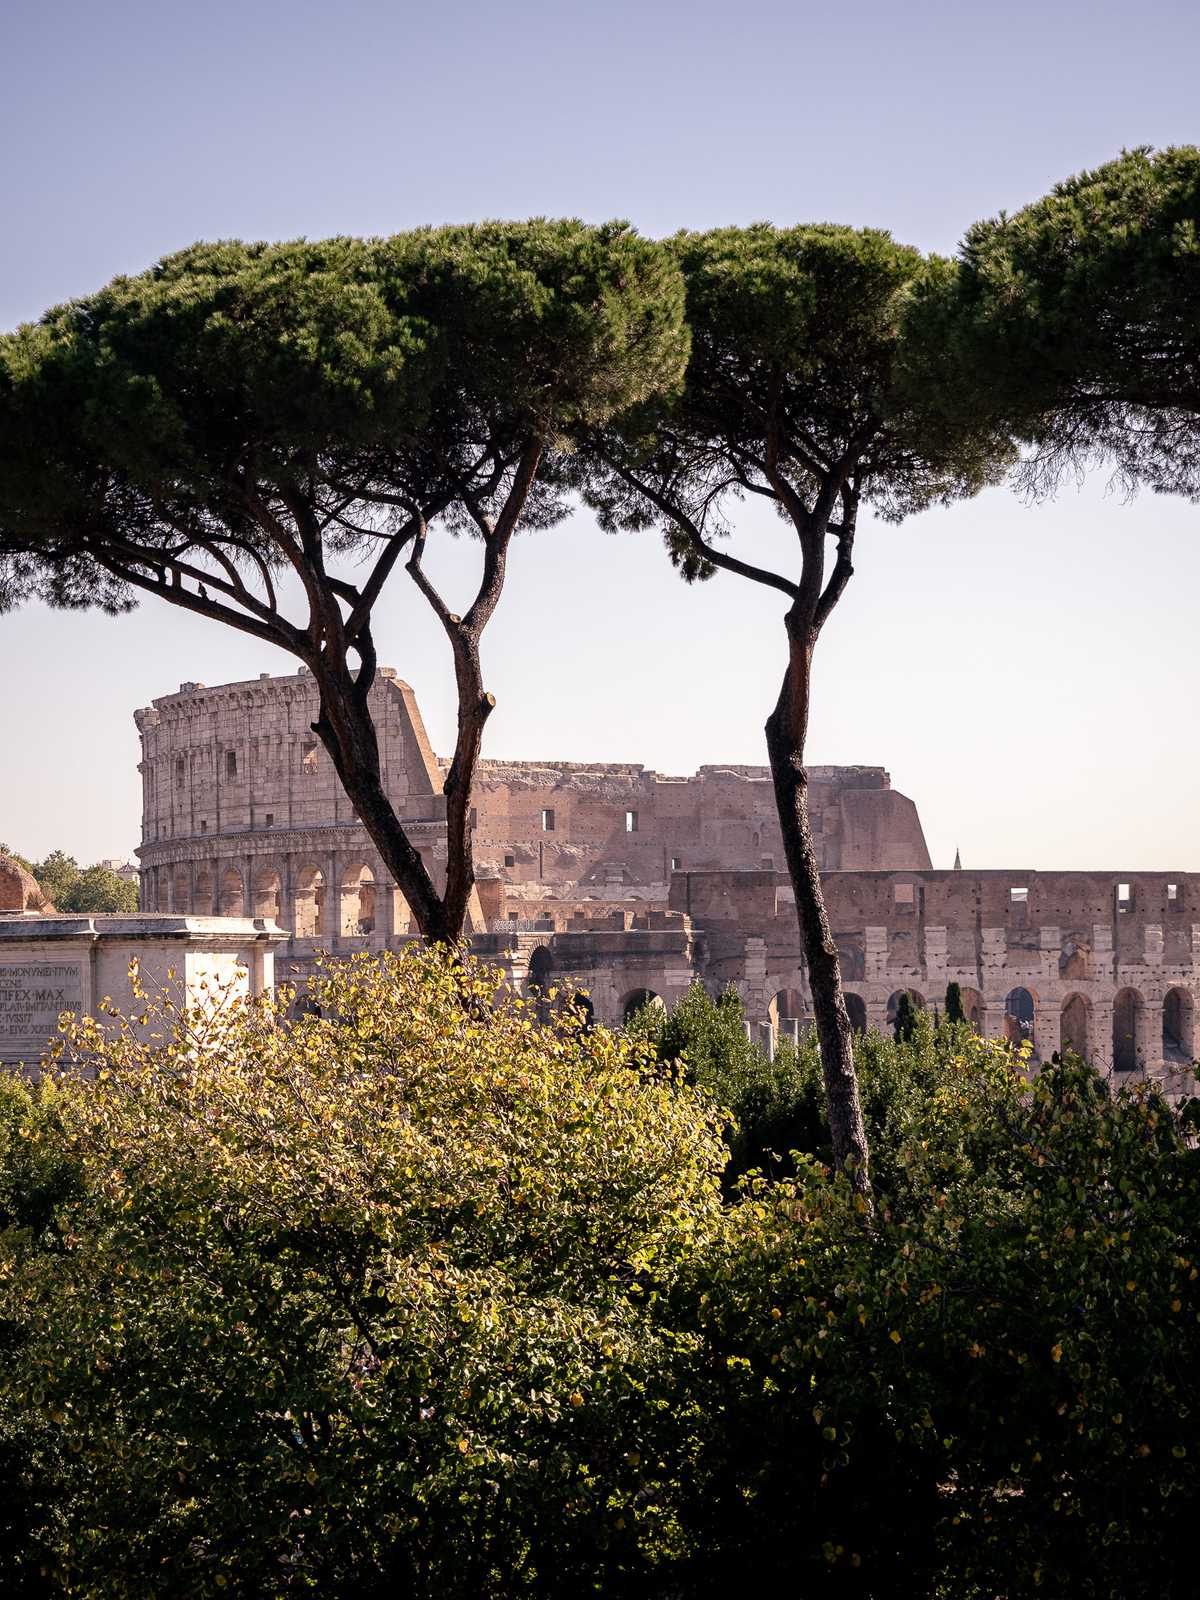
[[622, 883], [242, 814]]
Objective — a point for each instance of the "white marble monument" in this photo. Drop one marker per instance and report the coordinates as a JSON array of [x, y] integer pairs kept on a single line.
[[56, 963]]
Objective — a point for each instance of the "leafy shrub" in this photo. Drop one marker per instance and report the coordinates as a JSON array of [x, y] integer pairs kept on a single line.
[[990, 1389], [37, 1178], [364, 1302], [420, 1296]]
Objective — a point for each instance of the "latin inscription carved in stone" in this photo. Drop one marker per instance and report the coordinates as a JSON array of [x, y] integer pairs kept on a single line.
[[33, 995]]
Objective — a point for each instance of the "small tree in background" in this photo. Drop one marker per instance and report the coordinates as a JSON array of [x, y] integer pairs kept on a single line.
[[905, 1021], [954, 1005], [71, 887]]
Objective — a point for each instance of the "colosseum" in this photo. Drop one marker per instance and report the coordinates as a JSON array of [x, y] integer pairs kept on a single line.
[[625, 886]]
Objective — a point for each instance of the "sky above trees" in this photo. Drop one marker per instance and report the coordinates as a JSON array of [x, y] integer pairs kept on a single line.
[[1025, 672]]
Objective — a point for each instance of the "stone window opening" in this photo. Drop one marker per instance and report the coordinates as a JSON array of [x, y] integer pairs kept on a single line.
[[1173, 896], [1124, 898], [631, 822], [510, 860], [893, 1005], [180, 772], [203, 826], [231, 763], [270, 819], [537, 987], [676, 863], [547, 820], [308, 756], [1018, 896]]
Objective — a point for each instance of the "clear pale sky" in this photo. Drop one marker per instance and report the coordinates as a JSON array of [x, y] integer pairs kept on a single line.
[[1027, 674]]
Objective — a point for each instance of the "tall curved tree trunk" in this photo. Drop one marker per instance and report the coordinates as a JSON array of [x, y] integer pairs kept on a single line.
[[786, 731]]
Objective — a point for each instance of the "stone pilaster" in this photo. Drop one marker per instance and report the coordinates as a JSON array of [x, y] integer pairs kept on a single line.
[[875, 954], [1100, 1034], [332, 931], [935, 966], [754, 994], [1047, 1029], [1150, 1036], [1049, 951], [1103, 963]]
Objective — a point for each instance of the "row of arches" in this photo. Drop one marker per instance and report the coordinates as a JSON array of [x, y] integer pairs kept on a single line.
[[356, 899], [1127, 1046]]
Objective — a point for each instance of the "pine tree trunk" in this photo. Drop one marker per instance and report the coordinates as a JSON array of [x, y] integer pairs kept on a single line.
[[347, 730], [786, 728]]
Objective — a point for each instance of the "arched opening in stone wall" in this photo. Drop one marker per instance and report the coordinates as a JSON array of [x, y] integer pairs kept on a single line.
[[787, 1004], [233, 893], [267, 889], [1178, 1024], [1019, 1016], [852, 959], [637, 1000], [539, 979], [402, 918], [893, 1004], [308, 920], [1075, 1025], [1127, 1018], [972, 1004], [584, 1009], [181, 898], [357, 901], [856, 1010], [202, 897]]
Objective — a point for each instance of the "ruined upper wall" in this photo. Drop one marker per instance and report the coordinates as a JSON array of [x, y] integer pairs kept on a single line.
[[613, 823], [242, 757], [1119, 915]]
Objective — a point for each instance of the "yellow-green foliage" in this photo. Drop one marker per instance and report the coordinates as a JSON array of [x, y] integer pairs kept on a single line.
[[419, 1297], [361, 1299]]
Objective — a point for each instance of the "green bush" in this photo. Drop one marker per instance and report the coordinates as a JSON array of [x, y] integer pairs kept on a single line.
[[991, 1387], [420, 1296], [364, 1302], [38, 1178]]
